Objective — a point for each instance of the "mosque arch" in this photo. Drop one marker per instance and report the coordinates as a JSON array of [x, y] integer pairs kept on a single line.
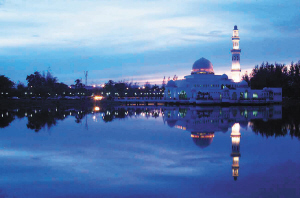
[[182, 95], [246, 94], [234, 96]]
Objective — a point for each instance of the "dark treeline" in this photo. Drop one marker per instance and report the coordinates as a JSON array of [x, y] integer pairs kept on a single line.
[[39, 86], [40, 118], [289, 124], [276, 75], [47, 118], [44, 85]]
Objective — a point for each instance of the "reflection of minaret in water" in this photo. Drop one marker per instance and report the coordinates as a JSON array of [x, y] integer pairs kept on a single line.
[[235, 154]]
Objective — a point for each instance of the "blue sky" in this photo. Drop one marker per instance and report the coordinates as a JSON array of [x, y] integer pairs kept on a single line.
[[142, 40]]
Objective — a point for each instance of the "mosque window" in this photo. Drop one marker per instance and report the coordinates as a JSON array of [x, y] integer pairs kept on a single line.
[[241, 95], [255, 95]]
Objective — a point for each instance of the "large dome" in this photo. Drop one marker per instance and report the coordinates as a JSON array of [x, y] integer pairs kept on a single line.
[[202, 139], [202, 66]]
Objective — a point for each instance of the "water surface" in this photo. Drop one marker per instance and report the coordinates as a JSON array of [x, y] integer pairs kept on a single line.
[[150, 152]]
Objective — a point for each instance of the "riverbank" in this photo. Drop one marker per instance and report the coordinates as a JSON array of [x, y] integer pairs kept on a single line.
[[85, 103], [62, 104]]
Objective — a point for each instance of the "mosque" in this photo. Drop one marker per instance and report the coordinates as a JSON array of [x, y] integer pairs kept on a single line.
[[203, 85]]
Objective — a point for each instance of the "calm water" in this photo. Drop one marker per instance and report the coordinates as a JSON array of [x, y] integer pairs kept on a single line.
[[150, 152]]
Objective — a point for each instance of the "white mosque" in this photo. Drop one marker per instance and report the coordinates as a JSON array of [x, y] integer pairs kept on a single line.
[[203, 85]]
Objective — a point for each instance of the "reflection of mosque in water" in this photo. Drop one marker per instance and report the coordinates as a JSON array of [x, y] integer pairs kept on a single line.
[[203, 122]]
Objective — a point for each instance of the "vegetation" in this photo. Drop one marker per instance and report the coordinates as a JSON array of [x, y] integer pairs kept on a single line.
[[5, 86], [276, 75], [39, 118], [45, 86]]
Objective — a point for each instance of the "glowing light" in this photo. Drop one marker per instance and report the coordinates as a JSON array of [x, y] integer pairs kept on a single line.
[[236, 160], [203, 136], [98, 97], [97, 108], [236, 129]]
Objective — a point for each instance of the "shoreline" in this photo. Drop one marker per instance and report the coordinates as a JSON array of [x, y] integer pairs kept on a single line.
[[87, 103]]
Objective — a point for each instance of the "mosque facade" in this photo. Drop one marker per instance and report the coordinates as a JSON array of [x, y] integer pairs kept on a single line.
[[203, 85]]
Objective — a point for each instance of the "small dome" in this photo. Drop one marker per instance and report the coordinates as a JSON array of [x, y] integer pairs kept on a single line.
[[171, 83], [202, 66], [243, 83], [224, 77], [171, 123]]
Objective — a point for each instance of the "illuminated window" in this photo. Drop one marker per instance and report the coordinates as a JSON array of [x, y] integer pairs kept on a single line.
[[255, 95]]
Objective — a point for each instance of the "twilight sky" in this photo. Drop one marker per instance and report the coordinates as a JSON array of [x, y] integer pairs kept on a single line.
[[137, 40]]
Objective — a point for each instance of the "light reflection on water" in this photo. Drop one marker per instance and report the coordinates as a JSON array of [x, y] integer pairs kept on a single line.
[[150, 151]]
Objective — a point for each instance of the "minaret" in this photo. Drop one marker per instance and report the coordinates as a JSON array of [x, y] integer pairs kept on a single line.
[[235, 154], [236, 51]]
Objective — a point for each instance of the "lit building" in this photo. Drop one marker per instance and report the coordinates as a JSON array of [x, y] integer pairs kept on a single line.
[[235, 154], [203, 86], [236, 51]]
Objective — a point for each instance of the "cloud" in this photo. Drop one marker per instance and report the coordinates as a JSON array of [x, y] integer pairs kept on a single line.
[[117, 26], [145, 39]]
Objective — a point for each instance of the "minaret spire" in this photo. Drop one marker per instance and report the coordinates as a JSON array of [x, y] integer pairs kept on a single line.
[[236, 51]]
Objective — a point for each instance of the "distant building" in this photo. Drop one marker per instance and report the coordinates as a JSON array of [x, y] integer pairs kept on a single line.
[[203, 84], [85, 87]]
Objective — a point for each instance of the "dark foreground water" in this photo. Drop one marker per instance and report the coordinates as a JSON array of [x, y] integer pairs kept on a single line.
[[150, 152]]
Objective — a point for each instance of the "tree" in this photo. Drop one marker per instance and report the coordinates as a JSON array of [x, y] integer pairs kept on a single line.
[[246, 78], [147, 85], [78, 83], [6, 85], [35, 80], [21, 89], [277, 75]]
